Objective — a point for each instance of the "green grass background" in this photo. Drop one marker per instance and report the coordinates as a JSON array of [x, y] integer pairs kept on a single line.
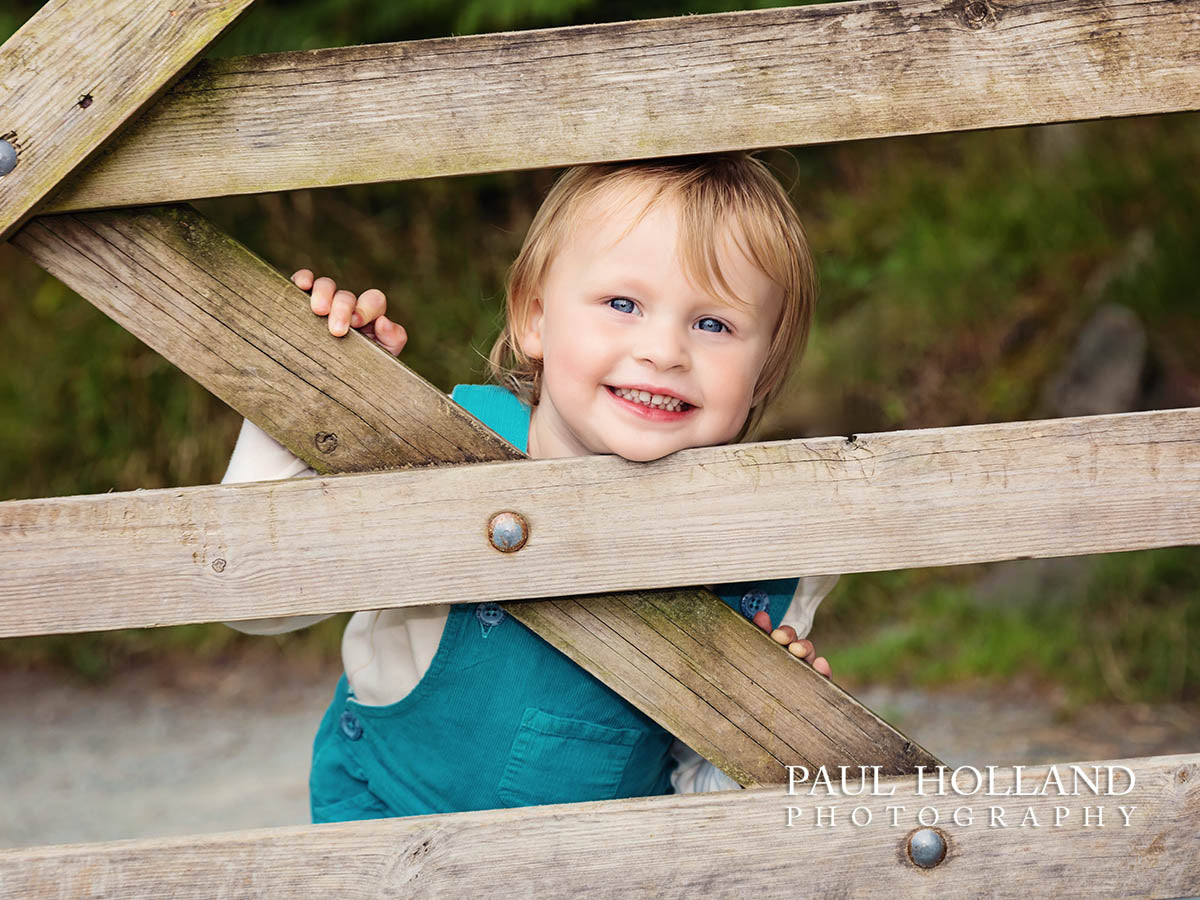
[[956, 271]]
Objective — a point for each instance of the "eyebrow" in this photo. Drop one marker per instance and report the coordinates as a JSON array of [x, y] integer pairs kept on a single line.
[[628, 284]]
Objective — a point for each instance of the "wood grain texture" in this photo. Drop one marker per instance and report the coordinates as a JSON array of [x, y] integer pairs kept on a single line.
[[702, 516], [734, 844], [762, 711], [77, 72], [808, 75], [246, 333]]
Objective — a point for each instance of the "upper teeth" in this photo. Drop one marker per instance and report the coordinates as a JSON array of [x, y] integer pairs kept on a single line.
[[648, 399]]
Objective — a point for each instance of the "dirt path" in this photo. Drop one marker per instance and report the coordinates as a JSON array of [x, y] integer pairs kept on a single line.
[[158, 754]]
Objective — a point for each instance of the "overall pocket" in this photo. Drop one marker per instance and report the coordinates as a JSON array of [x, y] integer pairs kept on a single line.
[[559, 760]]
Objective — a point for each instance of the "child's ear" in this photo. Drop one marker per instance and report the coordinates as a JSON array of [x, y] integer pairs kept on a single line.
[[530, 336]]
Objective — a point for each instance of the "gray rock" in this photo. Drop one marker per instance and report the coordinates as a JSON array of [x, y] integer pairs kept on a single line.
[[1104, 371], [1053, 144]]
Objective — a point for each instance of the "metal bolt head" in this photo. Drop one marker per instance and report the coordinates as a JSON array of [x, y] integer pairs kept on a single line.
[[508, 531], [8, 157], [926, 847]]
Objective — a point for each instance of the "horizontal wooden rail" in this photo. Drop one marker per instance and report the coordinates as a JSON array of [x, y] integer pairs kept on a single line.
[[730, 845], [243, 331], [76, 73], [827, 72], [871, 502]]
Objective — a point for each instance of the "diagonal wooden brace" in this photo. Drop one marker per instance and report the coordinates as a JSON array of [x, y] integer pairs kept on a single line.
[[77, 73], [245, 332]]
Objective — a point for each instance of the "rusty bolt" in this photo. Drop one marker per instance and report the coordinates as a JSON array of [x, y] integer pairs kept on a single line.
[[508, 531]]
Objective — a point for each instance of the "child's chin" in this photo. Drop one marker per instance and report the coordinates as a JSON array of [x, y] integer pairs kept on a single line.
[[644, 454]]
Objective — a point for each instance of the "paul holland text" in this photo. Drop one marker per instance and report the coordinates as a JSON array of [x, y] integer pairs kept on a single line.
[[982, 785]]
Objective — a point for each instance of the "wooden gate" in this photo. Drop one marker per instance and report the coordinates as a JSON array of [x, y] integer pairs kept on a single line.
[[98, 118]]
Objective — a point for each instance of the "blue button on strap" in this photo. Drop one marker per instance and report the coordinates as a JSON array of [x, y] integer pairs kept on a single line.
[[489, 615], [755, 601], [351, 727]]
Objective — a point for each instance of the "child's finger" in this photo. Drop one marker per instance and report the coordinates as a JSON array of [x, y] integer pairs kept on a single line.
[[322, 295], [340, 311], [371, 305], [390, 335], [784, 634], [821, 665], [762, 620], [303, 279], [802, 649]]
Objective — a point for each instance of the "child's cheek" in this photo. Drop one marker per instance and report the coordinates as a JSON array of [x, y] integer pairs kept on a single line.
[[738, 403], [568, 375]]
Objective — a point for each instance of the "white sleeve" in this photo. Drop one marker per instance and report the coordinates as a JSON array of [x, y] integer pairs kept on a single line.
[[811, 590], [695, 774], [259, 457]]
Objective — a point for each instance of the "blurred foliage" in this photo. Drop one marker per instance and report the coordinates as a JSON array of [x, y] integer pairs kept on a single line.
[[1125, 631], [956, 271]]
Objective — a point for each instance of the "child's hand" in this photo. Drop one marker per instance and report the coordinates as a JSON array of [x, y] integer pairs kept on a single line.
[[365, 312], [801, 649]]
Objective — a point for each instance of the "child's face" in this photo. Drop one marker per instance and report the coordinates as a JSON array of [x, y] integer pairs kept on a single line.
[[617, 312]]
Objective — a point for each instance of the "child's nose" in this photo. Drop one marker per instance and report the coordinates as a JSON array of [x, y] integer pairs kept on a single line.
[[664, 346]]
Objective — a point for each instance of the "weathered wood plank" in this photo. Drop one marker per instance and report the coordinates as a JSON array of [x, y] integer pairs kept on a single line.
[[827, 72], [77, 72], [770, 714], [734, 844], [246, 333], [707, 515]]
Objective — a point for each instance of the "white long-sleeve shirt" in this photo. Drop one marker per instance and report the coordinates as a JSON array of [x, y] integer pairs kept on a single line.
[[387, 651]]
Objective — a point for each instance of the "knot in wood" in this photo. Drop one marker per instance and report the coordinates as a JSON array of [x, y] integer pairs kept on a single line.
[[326, 441], [976, 14], [218, 565]]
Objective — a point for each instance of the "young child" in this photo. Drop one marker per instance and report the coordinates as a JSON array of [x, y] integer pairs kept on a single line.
[[654, 306]]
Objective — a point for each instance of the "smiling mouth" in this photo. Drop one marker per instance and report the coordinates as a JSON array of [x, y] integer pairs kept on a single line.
[[653, 401]]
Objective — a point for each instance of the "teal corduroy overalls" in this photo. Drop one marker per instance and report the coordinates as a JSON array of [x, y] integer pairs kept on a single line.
[[500, 718]]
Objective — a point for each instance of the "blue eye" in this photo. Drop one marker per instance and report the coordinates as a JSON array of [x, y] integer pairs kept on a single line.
[[708, 323], [622, 304]]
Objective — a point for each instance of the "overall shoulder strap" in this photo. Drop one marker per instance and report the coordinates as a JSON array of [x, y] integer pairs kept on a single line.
[[498, 409]]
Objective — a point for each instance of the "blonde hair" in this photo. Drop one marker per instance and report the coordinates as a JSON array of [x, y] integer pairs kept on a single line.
[[714, 193]]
